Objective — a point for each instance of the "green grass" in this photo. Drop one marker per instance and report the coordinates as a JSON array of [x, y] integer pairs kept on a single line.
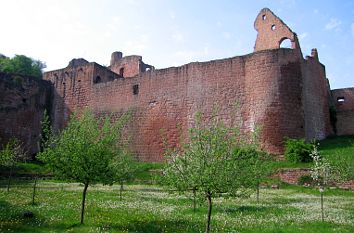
[[148, 208], [334, 146]]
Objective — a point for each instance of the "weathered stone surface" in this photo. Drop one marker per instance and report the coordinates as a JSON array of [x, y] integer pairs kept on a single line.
[[22, 103], [276, 89], [344, 105]]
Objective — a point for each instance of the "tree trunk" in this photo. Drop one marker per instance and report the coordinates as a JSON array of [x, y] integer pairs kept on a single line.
[[120, 191], [34, 190], [194, 201], [83, 203], [9, 179], [207, 230], [322, 212]]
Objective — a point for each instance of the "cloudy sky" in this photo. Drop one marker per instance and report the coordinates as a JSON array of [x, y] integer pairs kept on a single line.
[[172, 32]]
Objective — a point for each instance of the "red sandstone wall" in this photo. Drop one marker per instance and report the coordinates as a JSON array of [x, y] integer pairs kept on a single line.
[[130, 64], [272, 90], [22, 104], [73, 87], [168, 99], [315, 99], [345, 110]]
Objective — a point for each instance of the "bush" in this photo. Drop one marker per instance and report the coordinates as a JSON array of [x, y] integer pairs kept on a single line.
[[305, 179], [297, 150]]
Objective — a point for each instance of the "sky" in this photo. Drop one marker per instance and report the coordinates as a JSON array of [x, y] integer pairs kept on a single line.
[[172, 32]]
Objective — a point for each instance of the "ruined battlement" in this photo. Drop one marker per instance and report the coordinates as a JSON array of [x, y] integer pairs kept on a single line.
[[128, 66], [272, 31]]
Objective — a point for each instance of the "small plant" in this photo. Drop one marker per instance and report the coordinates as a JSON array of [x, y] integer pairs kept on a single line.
[[297, 150]]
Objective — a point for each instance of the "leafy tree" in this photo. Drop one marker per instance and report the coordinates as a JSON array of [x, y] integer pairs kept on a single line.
[[20, 64], [124, 168], [83, 151], [45, 140], [46, 131], [258, 164], [212, 163], [9, 156]]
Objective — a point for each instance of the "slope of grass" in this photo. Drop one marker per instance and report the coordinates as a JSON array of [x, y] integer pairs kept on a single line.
[[334, 146]]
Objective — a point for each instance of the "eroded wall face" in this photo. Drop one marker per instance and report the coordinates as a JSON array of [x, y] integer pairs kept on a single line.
[[73, 88], [257, 90], [129, 66], [344, 105], [316, 100], [22, 103]]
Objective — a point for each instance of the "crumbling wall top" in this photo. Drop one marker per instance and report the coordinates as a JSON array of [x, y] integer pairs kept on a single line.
[[272, 31]]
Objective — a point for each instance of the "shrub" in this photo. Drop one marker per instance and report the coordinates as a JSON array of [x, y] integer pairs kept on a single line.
[[305, 179], [297, 150]]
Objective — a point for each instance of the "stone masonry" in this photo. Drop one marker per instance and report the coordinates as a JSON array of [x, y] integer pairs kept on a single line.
[[273, 88]]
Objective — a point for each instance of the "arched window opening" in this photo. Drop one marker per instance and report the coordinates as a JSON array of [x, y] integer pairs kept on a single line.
[[121, 71], [285, 43], [97, 79], [135, 89]]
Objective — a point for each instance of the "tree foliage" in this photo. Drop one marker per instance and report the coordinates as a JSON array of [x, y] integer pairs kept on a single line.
[[84, 150], [124, 168], [20, 64], [215, 161]]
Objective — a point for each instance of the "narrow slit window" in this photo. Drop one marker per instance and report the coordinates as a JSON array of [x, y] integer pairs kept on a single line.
[[121, 72], [135, 89], [340, 100]]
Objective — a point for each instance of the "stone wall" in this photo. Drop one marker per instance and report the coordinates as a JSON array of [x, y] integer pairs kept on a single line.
[[261, 89], [22, 103], [274, 89], [344, 105]]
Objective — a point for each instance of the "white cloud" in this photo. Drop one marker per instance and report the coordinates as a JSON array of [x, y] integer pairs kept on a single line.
[[352, 27], [333, 24]]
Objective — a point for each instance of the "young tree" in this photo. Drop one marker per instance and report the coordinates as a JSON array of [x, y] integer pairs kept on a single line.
[[9, 156], [83, 151], [258, 163], [212, 163], [124, 167], [46, 136], [320, 173]]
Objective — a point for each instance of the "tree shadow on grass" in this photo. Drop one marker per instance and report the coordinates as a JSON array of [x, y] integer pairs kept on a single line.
[[157, 226], [247, 209], [18, 218]]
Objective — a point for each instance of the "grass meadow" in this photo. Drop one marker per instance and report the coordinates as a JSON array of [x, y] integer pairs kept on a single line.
[[149, 208]]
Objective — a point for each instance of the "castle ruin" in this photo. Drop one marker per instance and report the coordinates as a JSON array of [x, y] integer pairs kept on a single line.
[[273, 87]]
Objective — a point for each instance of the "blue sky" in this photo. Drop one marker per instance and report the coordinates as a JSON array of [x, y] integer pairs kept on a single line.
[[172, 33]]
